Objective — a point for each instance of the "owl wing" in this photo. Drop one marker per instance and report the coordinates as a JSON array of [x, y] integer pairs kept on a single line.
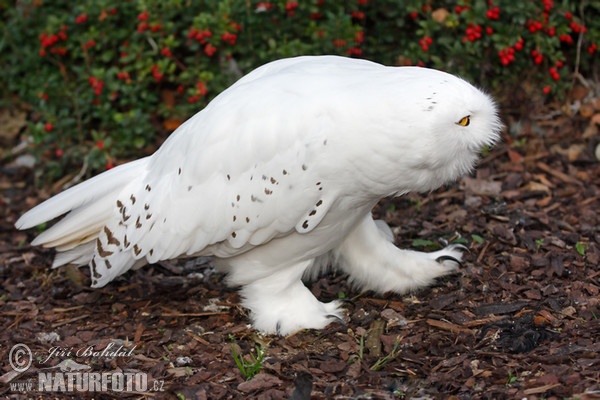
[[234, 176]]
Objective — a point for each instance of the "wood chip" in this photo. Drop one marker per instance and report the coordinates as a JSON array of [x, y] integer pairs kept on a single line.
[[447, 326]]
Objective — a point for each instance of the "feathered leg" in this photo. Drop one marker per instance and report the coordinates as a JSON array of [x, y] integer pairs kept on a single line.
[[374, 263], [280, 303]]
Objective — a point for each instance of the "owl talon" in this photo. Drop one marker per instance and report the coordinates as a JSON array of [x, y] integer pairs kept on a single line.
[[337, 319], [443, 258], [459, 246]]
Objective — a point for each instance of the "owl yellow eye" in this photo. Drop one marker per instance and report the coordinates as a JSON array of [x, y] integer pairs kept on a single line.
[[464, 121]]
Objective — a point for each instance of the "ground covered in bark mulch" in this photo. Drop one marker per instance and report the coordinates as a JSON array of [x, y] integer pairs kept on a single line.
[[520, 319]]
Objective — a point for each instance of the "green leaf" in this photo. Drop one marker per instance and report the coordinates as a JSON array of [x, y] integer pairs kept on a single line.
[[581, 248], [476, 238], [424, 243]]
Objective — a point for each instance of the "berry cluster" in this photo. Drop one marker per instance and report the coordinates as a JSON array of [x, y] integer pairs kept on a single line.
[[96, 84], [127, 66], [49, 42], [548, 35]]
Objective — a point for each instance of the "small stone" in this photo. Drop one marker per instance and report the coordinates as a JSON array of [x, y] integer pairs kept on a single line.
[[182, 361], [48, 337]]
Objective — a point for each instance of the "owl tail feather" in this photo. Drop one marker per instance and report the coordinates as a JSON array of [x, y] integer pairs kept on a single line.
[[89, 206]]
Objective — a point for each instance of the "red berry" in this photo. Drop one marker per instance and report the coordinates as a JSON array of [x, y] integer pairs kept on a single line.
[[425, 42], [143, 16], [229, 38], [359, 37], [209, 50], [566, 38], [80, 19], [493, 13], [339, 42], [201, 88], [354, 51]]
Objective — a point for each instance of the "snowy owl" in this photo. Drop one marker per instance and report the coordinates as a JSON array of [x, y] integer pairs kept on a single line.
[[276, 178]]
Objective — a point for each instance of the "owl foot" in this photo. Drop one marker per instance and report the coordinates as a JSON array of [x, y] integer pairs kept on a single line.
[[450, 253], [374, 263], [288, 310]]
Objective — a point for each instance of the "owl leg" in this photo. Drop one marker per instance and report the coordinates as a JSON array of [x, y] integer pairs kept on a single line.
[[374, 263], [281, 304]]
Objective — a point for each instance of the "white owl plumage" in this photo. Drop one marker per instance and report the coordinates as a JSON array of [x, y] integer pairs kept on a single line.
[[277, 177]]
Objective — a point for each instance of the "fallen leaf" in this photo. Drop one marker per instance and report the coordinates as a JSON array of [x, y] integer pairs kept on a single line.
[[439, 15], [171, 124], [514, 156], [258, 382], [482, 187], [586, 110], [332, 366]]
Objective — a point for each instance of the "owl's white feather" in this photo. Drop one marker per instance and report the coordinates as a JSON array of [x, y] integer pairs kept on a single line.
[[278, 175]]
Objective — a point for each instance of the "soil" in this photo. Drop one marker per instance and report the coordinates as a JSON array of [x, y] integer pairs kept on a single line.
[[519, 320]]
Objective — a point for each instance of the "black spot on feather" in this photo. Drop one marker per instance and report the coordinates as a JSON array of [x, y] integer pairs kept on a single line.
[[111, 239], [95, 273], [101, 252]]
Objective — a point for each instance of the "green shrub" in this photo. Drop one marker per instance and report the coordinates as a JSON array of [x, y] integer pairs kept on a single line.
[[103, 78], [497, 44]]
